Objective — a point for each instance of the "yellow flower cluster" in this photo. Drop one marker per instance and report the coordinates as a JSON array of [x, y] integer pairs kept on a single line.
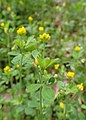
[[56, 66], [21, 31], [44, 36], [41, 28], [80, 86], [2, 24], [70, 74], [30, 18], [77, 48], [8, 8], [61, 105], [7, 68]]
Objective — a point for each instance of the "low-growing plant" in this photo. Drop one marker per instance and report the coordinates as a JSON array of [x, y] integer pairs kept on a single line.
[[42, 60]]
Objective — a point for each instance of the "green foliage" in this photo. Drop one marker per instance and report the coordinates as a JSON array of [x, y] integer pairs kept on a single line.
[[42, 60]]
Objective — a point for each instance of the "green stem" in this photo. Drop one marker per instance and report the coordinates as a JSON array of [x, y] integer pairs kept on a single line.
[[41, 100], [11, 82], [43, 49], [21, 76], [8, 47], [21, 69], [64, 112]]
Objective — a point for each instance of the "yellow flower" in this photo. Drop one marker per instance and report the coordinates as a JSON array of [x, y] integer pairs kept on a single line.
[[41, 36], [2, 24], [41, 28], [30, 18], [36, 61], [7, 68], [17, 66], [21, 31], [56, 66], [80, 86], [8, 8], [70, 74], [77, 48], [44, 36], [61, 105], [47, 36], [64, 4]]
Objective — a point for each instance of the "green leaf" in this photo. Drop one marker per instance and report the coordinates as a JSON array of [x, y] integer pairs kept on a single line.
[[16, 101], [35, 53], [33, 103], [32, 87], [2, 99], [71, 89], [46, 62], [19, 109], [63, 69], [29, 111], [32, 46], [31, 39], [74, 89], [17, 59], [84, 4], [13, 53], [60, 84], [3, 50], [48, 94], [83, 106], [81, 116], [27, 59], [51, 81]]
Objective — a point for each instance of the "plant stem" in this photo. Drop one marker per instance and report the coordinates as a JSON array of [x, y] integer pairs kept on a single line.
[[21, 76], [11, 82], [40, 78], [64, 114], [43, 49], [8, 47], [21, 69], [41, 99]]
